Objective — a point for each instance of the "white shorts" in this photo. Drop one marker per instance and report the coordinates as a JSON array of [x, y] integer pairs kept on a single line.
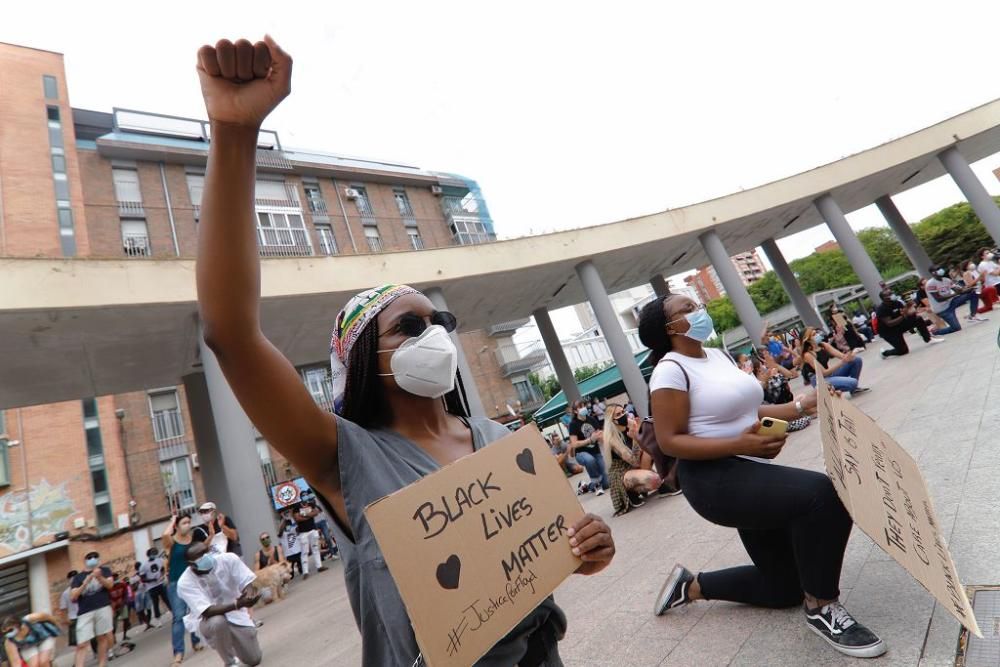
[[29, 652], [93, 624]]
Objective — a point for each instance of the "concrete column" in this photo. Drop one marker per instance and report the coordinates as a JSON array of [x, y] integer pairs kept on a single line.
[[849, 243], [557, 355], [471, 391], [38, 584], [799, 299], [621, 351], [911, 246], [980, 200], [227, 453], [735, 289], [660, 286]]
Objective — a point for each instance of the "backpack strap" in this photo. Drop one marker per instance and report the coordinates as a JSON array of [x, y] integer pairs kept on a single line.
[[687, 380]]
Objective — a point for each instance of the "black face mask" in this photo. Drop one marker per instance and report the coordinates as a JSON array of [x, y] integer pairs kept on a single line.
[[623, 420]]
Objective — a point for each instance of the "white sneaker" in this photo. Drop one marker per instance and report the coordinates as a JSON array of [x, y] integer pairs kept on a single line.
[[937, 339], [600, 492]]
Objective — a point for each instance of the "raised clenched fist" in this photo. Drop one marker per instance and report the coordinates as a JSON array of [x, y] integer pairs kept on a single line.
[[243, 82]]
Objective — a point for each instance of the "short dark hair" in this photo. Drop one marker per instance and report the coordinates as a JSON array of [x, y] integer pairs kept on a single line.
[[72, 573], [92, 554]]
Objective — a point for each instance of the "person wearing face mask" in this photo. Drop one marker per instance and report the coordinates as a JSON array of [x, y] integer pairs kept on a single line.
[[791, 521], [894, 320], [154, 578], [585, 436], [945, 297], [218, 530], [630, 473], [91, 592], [268, 554], [177, 540], [400, 407], [989, 270], [30, 640], [218, 590]]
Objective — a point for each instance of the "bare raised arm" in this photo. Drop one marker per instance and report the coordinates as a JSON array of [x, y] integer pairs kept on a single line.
[[242, 83]]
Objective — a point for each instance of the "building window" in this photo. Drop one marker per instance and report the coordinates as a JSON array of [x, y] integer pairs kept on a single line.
[[98, 470], [282, 234], [363, 203], [168, 423], [128, 193], [196, 185], [327, 244], [416, 242], [135, 239], [51, 87], [527, 393], [266, 466], [402, 202], [317, 381], [276, 194], [178, 484], [314, 198], [373, 238], [67, 236]]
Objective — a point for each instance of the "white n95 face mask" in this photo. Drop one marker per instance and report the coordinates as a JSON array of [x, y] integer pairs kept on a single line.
[[425, 365]]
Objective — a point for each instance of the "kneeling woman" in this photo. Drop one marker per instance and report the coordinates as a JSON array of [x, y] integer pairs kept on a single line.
[[31, 640], [791, 521], [630, 472], [401, 408]]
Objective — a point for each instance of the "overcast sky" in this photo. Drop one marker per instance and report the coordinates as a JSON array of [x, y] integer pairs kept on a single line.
[[568, 114]]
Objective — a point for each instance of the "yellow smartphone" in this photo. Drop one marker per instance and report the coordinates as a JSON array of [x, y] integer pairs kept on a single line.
[[773, 427]]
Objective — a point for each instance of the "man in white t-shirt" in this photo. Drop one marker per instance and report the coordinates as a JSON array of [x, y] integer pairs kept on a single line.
[[945, 297], [218, 589]]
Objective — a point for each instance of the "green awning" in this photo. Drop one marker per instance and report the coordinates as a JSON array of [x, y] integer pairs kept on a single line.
[[606, 383]]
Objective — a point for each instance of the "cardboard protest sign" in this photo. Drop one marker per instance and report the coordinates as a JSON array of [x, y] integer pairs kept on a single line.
[[477, 545], [885, 493]]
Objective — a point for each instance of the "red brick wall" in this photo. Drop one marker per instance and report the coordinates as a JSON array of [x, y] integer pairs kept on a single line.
[[29, 226]]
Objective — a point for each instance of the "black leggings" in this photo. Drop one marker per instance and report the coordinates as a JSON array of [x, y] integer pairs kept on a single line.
[[791, 522]]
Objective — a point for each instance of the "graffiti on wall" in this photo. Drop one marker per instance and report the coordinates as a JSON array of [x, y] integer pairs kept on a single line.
[[51, 513]]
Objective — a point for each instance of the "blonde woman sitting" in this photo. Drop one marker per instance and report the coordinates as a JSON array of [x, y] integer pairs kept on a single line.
[[630, 472]]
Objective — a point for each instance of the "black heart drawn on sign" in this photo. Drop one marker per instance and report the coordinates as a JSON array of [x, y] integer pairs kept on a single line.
[[526, 461], [448, 572]]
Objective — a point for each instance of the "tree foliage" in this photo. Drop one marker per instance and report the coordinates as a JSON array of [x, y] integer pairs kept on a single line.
[[951, 236]]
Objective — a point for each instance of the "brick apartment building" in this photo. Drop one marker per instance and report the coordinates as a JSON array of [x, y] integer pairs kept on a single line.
[[705, 281], [106, 472]]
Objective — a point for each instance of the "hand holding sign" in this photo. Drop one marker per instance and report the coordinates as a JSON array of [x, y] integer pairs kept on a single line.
[[479, 544]]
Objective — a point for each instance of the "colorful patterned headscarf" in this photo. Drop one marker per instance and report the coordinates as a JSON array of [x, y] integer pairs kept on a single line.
[[351, 321]]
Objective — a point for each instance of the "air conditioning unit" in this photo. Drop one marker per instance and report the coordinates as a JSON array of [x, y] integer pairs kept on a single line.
[[436, 190], [351, 193], [194, 461]]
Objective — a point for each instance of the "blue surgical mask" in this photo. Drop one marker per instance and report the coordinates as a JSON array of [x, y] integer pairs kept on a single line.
[[583, 413], [205, 563], [700, 326], [92, 562], [940, 273]]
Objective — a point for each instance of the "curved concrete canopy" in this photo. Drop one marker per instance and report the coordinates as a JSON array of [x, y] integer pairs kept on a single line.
[[84, 327]]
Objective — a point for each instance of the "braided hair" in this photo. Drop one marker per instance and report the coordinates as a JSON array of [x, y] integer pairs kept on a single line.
[[653, 329], [365, 401]]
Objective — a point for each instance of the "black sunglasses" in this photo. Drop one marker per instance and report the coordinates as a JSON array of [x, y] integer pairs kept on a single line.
[[412, 325]]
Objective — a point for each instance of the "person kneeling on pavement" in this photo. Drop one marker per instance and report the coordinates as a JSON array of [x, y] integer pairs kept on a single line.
[[218, 589]]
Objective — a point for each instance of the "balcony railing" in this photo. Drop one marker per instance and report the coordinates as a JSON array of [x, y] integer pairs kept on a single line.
[[317, 205], [509, 327], [283, 242], [180, 495], [136, 245], [375, 244], [131, 209], [511, 361]]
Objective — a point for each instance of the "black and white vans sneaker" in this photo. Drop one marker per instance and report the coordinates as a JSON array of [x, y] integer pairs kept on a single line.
[[836, 625], [675, 591]]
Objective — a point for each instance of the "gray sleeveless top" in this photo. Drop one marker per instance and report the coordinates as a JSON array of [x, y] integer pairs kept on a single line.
[[374, 464]]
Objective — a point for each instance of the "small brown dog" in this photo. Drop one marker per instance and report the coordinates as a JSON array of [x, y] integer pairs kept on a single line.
[[271, 581]]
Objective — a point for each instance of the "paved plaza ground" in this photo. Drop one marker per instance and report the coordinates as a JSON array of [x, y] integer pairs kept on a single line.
[[941, 402]]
